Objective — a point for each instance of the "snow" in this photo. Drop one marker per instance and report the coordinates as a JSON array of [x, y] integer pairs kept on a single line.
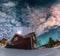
[[37, 52]]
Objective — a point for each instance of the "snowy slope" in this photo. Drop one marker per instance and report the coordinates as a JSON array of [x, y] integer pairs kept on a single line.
[[42, 52]]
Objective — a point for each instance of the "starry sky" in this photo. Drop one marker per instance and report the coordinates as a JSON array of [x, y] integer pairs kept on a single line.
[[26, 16]]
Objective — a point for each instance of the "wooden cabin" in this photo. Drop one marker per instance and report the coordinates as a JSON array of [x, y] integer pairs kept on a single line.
[[24, 42], [3, 42]]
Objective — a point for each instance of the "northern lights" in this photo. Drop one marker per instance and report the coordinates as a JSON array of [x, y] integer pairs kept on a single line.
[[25, 16], [44, 38]]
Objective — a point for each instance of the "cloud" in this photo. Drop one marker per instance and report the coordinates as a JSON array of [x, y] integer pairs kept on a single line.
[[36, 17], [2, 14], [53, 20], [9, 4]]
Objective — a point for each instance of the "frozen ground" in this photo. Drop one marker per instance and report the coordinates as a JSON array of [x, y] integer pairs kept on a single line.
[[42, 52]]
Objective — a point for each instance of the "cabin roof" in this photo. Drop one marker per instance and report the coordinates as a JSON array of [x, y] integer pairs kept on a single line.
[[26, 36], [29, 35]]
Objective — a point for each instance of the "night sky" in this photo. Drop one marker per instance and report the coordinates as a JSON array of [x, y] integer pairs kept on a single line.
[[26, 16]]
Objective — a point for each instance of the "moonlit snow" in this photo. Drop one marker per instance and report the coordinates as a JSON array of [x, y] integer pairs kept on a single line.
[[38, 52]]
